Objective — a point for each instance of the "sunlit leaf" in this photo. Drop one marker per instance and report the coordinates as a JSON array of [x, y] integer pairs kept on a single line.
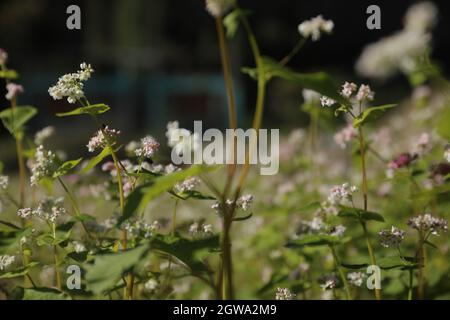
[[15, 119], [94, 109], [371, 114]]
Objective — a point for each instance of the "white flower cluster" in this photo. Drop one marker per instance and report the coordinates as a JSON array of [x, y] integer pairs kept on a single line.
[[400, 51], [6, 261], [244, 203], [364, 93], [4, 181], [391, 238], [78, 247], [48, 209], [315, 27], [71, 85], [421, 146], [356, 278], [182, 141], [337, 231], [342, 193], [141, 228], [284, 294], [44, 134], [218, 8], [428, 223], [3, 56], [148, 147], [326, 102], [329, 282], [151, 285], [102, 138], [187, 185], [44, 165], [447, 153], [310, 95], [346, 135], [14, 90], [199, 229]]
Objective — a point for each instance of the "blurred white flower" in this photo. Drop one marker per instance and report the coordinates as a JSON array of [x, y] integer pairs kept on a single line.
[[329, 282], [310, 96], [356, 278], [151, 285], [428, 223], [44, 134], [13, 90], [3, 56], [187, 185], [421, 17], [326, 102], [348, 89], [148, 147], [6, 261], [364, 93], [339, 194], [182, 141], [400, 51], [391, 238], [218, 8], [314, 27], [4, 181], [346, 135], [43, 165], [447, 153], [284, 294]]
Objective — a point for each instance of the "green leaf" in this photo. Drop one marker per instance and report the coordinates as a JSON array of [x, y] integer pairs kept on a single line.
[[66, 167], [354, 266], [94, 109], [108, 269], [359, 214], [189, 252], [10, 240], [20, 272], [49, 240], [243, 218], [397, 262], [320, 82], [443, 127], [316, 240], [43, 294], [195, 195], [371, 114], [9, 74], [15, 119], [141, 196], [96, 160], [231, 21]]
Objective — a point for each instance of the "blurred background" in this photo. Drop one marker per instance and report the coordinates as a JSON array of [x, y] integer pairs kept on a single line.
[[158, 60]]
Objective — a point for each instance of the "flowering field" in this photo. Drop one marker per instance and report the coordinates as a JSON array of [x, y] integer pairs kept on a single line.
[[359, 208]]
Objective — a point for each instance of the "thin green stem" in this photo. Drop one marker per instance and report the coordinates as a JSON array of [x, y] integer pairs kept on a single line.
[[341, 272], [56, 260], [365, 196], [293, 52]]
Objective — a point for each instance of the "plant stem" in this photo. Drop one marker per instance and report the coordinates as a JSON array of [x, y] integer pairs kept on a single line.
[[293, 53], [365, 196], [232, 116], [341, 272], [227, 269], [410, 290], [56, 261], [421, 275], [74, 204]]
